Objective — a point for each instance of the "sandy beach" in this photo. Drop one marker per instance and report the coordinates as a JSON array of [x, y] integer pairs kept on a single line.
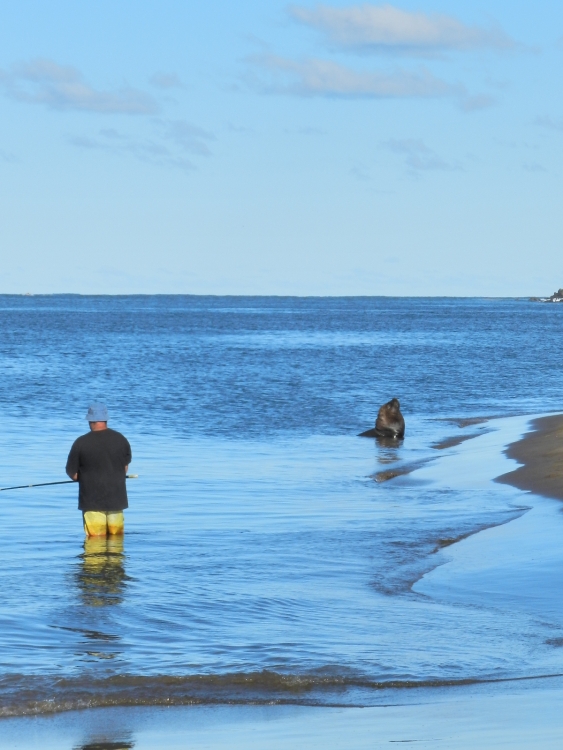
[[541, 454]]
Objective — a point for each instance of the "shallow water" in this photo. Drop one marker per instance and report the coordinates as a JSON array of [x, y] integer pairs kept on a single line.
[[261, 560]]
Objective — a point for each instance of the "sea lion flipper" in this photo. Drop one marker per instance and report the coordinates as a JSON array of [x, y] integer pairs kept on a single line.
[[369, 433]]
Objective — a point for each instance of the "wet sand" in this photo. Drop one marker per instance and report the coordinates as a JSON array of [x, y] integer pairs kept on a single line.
[[455, 440], [399, 470], [521, 716], [541, 454]]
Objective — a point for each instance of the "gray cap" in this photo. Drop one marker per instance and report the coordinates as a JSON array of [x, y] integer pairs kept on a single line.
[[97, 413]]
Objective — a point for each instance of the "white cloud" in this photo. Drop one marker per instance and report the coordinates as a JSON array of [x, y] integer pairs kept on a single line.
[[384, 26], [477, 102], [168, 147], [7, 157], [63, 87], [147, 151], [359, 173], [307, 131], [315, 77], [418, 156], [534, 167], [188, 137], [166, 81], [550, 123]]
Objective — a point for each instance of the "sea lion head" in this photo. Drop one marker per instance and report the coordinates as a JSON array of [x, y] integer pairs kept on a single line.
[[390, 422]]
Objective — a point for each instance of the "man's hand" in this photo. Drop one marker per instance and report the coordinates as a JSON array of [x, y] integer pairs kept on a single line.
[[74, 477]]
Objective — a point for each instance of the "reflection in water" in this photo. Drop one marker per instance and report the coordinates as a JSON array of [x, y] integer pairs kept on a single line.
[[101, 577], [106, 745], [388, 453], [388, 450], [389, 442]]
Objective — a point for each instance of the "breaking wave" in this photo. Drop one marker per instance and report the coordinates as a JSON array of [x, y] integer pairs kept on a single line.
[[29, 696]]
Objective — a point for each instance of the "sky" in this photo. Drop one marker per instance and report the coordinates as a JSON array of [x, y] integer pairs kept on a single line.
[[261, 147]]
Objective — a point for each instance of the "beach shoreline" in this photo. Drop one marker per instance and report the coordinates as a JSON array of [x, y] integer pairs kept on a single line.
[[540, 453], [520, 716]]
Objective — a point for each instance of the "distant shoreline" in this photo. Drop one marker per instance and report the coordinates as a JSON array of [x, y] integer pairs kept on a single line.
[[279, 295], [541, 454]]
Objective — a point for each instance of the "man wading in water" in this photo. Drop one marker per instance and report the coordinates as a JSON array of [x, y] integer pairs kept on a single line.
[[98, 461]]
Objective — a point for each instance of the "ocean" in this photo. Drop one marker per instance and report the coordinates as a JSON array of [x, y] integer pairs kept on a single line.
[[270, 553]]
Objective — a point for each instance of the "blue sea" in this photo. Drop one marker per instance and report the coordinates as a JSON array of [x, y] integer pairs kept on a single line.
[[270, 553]]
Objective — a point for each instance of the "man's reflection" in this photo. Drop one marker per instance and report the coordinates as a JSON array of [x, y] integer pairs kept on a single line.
[[101, 576]]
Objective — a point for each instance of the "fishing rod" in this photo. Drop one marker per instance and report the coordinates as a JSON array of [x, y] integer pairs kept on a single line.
[[50, 484]]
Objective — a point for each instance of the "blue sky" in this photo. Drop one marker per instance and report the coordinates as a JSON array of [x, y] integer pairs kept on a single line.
[[275, 148]]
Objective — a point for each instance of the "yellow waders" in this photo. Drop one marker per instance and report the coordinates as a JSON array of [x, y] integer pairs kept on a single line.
[[101, 523]]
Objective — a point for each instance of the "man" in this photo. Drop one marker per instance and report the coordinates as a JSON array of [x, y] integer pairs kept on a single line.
[[98, 461]]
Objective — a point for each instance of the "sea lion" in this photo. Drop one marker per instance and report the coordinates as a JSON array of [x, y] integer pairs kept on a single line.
[[389, 422]]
